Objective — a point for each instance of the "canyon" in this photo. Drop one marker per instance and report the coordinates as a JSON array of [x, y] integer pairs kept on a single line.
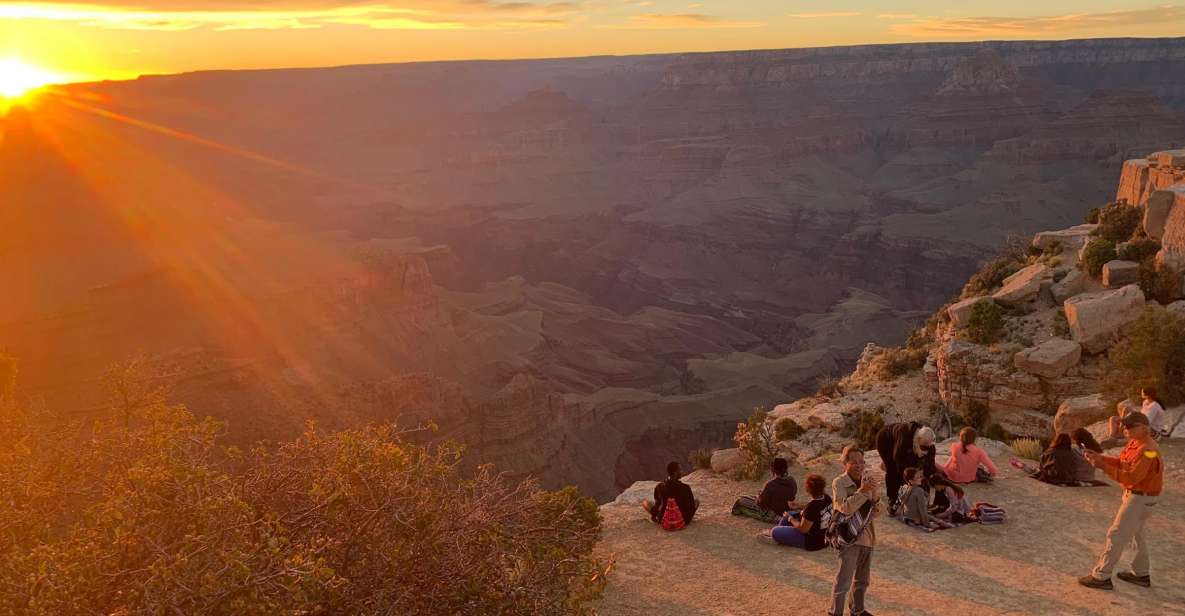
[[578, 267]]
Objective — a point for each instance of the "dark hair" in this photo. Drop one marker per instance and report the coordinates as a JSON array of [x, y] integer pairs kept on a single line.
[[909, 474], [673, 469], [1061, 441], [967, 437], [1151, 393], [1083, 437], [938, 481], [779, 466], [815, 485]]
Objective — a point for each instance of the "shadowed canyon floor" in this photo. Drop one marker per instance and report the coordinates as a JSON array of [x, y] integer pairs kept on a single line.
[[1027, 566]]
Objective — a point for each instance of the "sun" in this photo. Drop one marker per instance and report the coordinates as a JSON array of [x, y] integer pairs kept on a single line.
[[18, 78]]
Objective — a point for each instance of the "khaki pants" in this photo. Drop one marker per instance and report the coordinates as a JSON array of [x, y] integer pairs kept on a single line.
[[855, 570], [1128, 527]]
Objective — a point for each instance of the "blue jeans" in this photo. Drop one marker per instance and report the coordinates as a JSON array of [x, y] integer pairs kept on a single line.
[[785, 534]]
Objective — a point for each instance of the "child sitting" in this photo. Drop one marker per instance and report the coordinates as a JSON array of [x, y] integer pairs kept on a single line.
[[915, 503], [950, 502]]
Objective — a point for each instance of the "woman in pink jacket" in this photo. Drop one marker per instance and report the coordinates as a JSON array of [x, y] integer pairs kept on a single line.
[[965, 458]]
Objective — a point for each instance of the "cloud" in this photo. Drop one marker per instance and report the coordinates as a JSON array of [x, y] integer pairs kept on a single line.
[[221, 15], [826, 15], [896, 16], [1039, 25], [674, 21]]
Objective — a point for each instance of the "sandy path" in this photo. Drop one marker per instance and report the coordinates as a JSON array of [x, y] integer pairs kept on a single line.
[[1027, 566]]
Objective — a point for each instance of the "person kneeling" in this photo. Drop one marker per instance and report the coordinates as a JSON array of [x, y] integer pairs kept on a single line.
[[805, 530], [915, 502]]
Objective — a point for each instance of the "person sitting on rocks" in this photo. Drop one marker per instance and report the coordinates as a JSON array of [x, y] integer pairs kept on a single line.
[[804, 530], [672, 492], [1083, 441], [1058, 465], [901, 446], [776, 497], [950, 501], [966, 458], [915, 502], [1151, 408]]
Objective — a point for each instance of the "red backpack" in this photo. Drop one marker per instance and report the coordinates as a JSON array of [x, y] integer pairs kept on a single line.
[[672, 518]]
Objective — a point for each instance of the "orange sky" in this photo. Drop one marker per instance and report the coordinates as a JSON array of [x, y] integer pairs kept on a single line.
[[125, 38]]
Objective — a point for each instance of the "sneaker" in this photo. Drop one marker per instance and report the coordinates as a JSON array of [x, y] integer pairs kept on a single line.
[[1091, 581], [1138, 580]]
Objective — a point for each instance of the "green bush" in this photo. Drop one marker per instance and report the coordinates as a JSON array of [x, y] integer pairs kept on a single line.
[[897, 361], [1097, 253], [976, 415], [1138, 250], [1118, 222], [1149, 356], [866, 427], [787, 429], [990, 277], [757, 439], [986, 323], [1158, 283], [1092, 216], [701, 459], [160, 519]]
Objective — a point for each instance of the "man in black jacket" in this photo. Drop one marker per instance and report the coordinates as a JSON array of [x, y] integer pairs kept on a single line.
[[901, 446], [672, 488]]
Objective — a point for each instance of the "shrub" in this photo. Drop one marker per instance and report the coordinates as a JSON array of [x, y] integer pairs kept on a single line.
[[866, 427], [1159, 284], [894, 362], [1138, 250], [757, 439], [160, 519], [1092, 216], [986, 323], [787, 429], [1149, 356], [701, 459], [1118, 221], [976, 415], [996, 432], [990, 277], [1028, 448], [1096, 254], [829, 386]]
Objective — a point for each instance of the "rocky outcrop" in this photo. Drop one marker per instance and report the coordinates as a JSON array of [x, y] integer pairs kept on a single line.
[[1071, 239], [1049, 359], [1023, 286], [1142, 177], [1079, 412], [727, 460], [1120, 273], [1156, 212], [1172, 252], [1073, 283], [1096, 318], [960, 312]]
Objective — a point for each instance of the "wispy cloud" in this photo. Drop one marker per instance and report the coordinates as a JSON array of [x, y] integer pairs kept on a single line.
[[1039, 25], [824, 15], [670, 21], [249, 15], [896, 16]]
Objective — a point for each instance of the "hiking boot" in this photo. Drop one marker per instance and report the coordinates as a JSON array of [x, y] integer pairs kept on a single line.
[[1138, 580], [1091, 581]]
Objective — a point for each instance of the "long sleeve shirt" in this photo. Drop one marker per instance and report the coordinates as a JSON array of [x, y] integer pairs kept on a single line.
[[846, 498], [915, 505], [961, 466], [1139, 467]]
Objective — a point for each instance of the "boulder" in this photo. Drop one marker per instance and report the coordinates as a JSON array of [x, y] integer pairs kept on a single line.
[[1024, 285], [1026, 423], [636, 493], [1120, 273], [1069, 239], [1050, 359], [1096, 318], [1156, 213], [960, 313], [725, 460], [1073, 284], [799, 450], [1082, 411], [830, 416], [1169, 158]]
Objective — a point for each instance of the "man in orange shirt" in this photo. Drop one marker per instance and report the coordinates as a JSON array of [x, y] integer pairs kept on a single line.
[[1140, 470]]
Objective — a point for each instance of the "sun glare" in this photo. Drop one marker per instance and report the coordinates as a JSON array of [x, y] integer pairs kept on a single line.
[[18, 78]]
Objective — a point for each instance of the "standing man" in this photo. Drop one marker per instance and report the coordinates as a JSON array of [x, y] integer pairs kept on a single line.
[[851, 491], [1140, 470]]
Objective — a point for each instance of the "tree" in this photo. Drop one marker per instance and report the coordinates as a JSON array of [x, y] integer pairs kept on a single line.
[[1151, 355]]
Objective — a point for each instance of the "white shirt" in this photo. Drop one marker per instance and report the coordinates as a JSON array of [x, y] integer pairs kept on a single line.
[[1155, 414]]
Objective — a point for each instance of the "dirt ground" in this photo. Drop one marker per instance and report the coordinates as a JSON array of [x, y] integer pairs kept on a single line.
[[1029, 565]]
